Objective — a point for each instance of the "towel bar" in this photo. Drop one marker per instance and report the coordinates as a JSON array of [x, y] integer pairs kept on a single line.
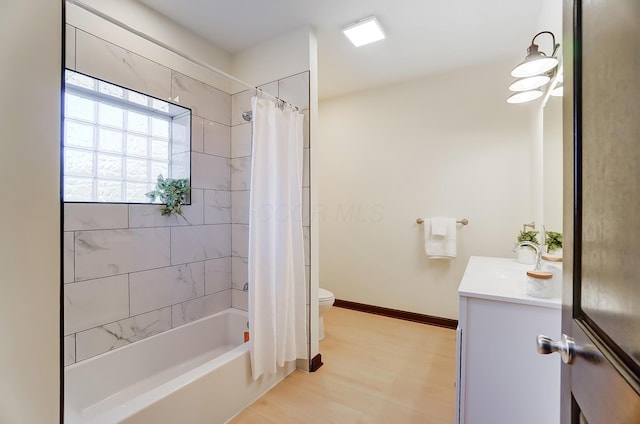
[[463, 221]]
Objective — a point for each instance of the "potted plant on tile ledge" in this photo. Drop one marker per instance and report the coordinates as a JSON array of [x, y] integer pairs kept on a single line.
[[527, 254], [172, 193]]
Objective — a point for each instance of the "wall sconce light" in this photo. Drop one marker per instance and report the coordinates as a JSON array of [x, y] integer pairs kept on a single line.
[[534, 72]]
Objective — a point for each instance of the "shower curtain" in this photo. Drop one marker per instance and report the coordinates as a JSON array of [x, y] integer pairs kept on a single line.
[[277, 288]]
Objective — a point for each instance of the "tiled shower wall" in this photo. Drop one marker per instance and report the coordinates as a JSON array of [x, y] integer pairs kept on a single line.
[[129, 272]]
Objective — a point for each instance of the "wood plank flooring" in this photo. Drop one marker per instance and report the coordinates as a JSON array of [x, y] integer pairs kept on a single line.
[[376, 370]]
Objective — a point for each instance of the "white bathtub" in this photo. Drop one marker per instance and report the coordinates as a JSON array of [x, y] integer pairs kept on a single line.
[[196, 373]]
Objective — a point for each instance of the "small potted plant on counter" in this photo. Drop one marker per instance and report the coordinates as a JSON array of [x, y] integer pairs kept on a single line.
[[527, 254], [553, 241]]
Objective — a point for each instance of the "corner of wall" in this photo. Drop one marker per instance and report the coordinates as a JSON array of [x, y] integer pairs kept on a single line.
[[273, 59]]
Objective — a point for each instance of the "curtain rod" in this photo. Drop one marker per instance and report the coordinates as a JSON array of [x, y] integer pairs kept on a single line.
[[184, 56]]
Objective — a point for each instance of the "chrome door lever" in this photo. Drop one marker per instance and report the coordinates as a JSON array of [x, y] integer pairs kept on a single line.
[[567, 349]]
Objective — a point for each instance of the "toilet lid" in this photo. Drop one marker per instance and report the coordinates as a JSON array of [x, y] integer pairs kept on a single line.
[[324, 294]]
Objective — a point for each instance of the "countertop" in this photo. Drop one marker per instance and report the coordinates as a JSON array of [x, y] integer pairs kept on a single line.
[[502, 279]]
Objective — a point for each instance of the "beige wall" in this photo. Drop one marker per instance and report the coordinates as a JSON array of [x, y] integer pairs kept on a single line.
[[30, 40], [446, 145]]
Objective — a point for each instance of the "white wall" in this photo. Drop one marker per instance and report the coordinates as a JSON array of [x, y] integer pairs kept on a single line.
[[446, 145], [30, 42]]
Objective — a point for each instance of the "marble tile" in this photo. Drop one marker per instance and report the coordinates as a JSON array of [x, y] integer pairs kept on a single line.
[[240, 240], [306, 201], [306, 135], [199, 243], [201, 307], [240, 102], [158, 288], [112, 336], [241, 140], [203, 100], [270, 88], [217, 139], [210, 172], [150, 215], [241, 173], [306, 233], [240, 207], [111, 252], [305, 168], [70, 47], [295, 90], [239, 272], [240, 299], [95, 302], [68, 257], [217, 207], [114, 64], [217, 275], [95, 216], [197, 134], [69, 350]]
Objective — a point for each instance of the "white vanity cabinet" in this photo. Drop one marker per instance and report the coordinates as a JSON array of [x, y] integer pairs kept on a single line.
[[501, 379]]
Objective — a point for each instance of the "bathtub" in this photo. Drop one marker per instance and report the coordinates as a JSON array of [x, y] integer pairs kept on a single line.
[[197, 373]]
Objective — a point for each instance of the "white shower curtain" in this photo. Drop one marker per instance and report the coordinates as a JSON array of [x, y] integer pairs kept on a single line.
[[277, 288]]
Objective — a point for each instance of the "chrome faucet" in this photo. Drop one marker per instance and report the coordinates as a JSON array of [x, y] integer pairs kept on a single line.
[[536, 247]]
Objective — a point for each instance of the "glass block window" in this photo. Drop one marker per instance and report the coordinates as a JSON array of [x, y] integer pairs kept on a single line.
[[117, 141]]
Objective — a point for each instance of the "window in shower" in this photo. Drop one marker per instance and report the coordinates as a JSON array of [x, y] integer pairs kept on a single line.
[[117, 141]]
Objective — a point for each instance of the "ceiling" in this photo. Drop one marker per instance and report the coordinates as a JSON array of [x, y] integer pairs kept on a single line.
[[423, 36]]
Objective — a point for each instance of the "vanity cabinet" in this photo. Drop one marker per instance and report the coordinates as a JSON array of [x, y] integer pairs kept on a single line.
[[501, 379]]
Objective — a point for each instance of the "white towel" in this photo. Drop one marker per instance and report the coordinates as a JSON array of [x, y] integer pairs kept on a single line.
[[440, 238]]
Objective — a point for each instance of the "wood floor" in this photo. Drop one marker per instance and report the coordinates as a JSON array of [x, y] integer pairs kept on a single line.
[[376, 370]]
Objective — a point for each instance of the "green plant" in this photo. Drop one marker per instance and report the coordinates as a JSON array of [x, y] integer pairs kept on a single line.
[[531, 236], [172, 193], [553, 240]]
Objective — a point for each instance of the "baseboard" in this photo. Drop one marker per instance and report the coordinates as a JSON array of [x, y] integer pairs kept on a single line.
[[395, 313]]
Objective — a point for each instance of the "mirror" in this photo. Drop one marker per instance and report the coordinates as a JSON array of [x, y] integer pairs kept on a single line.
[[552, 164]]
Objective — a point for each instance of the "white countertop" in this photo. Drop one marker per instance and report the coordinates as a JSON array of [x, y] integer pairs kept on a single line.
[[501, 279]]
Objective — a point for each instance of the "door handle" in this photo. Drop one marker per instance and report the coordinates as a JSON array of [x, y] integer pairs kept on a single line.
[[567, 349]]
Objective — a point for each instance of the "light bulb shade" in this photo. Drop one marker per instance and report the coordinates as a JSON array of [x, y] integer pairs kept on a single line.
[[558, 91], [534, 65], [524, 96], [525, 84]]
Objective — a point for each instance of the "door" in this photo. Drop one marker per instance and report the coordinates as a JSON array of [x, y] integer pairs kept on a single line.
[[601, 299]]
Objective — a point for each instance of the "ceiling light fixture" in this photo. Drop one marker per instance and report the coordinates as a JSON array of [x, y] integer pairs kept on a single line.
[[365, 31], [537, 62]]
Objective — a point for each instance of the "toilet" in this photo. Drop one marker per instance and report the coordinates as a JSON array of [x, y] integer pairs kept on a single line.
[[325, 300]]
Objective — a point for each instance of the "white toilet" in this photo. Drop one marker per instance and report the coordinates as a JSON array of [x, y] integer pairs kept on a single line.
[[325, 300]]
